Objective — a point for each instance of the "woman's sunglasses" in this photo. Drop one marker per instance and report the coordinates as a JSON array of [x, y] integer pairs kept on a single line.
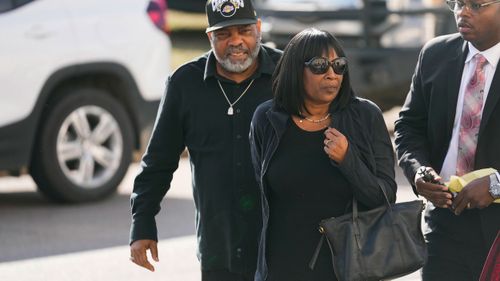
[[320, 65]]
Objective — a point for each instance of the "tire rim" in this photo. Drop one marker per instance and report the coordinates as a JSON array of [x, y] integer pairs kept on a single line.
[[89, 146]]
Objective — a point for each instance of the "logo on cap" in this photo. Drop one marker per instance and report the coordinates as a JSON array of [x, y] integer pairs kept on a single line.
[[227, 8]]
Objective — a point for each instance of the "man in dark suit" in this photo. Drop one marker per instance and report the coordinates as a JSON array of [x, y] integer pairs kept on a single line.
[[450, 125]]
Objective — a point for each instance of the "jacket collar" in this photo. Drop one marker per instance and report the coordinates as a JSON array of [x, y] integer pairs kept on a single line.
[[455, 68], [492, 99], [278, 119]]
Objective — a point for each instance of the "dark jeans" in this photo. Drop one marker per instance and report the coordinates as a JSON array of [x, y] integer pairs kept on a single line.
[[224, 275], [454, 260]]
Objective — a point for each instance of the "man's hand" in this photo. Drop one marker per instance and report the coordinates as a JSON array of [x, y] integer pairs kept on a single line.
[[474, 195], [138, 253], [438, 194]]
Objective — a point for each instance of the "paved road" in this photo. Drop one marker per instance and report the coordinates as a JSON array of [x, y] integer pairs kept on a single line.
[[40, 241]]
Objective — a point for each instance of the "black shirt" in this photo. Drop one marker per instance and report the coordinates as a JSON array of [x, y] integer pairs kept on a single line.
[[193, 114], [304, 189]]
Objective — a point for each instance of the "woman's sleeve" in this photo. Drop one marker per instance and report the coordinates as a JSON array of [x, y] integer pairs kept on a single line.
[[368, 183]]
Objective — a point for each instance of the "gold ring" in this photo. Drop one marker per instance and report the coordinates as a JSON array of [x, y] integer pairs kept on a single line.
[[328, 142], [468, 205]]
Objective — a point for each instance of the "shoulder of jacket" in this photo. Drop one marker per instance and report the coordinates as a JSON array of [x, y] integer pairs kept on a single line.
[[260, 120], [443, 43], [366, 106], [263, 108]]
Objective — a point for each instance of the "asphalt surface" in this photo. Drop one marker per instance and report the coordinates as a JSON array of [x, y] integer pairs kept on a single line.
[[40, 241]]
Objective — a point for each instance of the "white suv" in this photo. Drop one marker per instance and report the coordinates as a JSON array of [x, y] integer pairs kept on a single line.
[[80, 83]]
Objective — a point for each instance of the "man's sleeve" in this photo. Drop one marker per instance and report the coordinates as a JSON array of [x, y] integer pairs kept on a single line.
[[412, 144], [158, 165]]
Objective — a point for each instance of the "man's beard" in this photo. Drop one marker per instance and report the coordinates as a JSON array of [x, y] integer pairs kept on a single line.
[[238, 66]]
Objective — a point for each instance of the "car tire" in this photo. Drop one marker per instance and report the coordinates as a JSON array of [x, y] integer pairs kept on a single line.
[[84, 146]]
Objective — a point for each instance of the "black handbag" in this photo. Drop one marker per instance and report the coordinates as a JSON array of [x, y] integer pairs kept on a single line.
[[382, 243]]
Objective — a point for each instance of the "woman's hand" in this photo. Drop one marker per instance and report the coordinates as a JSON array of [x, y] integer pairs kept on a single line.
[[336, 145]]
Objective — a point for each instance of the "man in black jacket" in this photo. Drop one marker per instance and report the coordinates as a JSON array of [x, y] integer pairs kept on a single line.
[[449, 125], [207, 108]]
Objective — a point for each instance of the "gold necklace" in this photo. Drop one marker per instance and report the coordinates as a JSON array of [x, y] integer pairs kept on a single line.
[[302, 118], [230, 109]]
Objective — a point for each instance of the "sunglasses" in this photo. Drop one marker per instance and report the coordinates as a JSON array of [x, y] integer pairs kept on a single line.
[[320, 65]]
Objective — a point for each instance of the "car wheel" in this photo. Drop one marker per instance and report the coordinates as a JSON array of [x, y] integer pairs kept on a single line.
[[84, 147]]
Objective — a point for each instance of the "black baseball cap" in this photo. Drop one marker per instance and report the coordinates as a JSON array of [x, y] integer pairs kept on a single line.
[[223, 13]]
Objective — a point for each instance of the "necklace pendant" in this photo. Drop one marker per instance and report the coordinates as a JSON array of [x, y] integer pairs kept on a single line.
[[230, 111]]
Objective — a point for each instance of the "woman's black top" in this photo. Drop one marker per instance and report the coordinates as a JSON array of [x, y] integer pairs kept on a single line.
[[367, 169], [304, 189]]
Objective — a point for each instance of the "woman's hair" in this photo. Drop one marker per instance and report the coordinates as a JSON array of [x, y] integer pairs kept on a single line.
[[288, 77]]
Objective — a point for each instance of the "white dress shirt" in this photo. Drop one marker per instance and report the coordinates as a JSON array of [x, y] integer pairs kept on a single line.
[[492, 55]]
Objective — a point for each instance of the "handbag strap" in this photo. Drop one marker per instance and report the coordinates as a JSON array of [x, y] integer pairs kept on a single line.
[[357, 233], [355, 225], [355, 204], [314, 258]]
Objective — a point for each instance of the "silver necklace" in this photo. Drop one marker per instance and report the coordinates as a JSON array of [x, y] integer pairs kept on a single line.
[[230, 109], [312, 120]]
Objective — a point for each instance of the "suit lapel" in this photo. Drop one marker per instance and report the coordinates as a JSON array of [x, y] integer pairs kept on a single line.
[[454, 68], [492, 100]]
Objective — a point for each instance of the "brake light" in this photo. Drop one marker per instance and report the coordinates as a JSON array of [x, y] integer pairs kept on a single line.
[[157, 12]]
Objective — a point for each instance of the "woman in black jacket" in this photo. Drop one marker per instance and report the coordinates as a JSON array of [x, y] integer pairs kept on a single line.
[[315, 146]]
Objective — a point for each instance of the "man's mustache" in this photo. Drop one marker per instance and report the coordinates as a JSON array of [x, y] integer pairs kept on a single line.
[[236, 49]]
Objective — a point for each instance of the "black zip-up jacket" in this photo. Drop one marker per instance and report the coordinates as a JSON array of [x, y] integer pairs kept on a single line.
[[368, 165]]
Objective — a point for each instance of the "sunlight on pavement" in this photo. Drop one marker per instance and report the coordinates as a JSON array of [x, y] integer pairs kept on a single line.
[[177, 262]]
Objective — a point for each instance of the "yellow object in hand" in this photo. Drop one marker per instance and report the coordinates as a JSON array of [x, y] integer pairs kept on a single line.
[[456, 183]]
